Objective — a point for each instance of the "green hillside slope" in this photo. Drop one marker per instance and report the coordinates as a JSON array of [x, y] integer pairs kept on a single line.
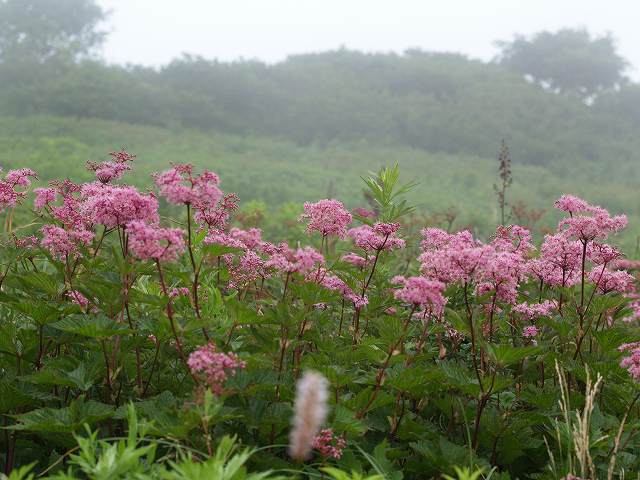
[[276, 171]]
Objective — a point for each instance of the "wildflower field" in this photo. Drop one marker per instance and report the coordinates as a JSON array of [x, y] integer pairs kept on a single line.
[[145, 335]]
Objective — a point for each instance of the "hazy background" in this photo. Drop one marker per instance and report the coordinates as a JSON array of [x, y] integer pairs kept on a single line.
[[293, 101], [152, 32]]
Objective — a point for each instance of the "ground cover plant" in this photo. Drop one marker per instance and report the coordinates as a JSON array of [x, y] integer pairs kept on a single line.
[[144, 335]]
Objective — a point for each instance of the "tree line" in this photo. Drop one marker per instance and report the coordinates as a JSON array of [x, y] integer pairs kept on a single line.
[[556, 97]]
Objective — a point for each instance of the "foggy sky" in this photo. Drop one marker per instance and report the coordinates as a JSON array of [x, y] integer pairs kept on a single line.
[[152, 32]]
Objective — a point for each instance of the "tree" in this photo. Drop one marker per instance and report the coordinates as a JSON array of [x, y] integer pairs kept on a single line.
[[39, 30], [566, 61]]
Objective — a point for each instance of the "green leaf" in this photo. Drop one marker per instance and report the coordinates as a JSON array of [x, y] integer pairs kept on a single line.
[[99, 327], [504, 355], [63, 420]]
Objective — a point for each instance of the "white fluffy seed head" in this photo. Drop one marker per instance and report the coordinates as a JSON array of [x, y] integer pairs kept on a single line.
[[310, 413]]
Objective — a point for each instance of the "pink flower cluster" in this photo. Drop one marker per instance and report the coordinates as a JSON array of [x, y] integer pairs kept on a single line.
[[496, 268], [179, 292], [260, 259], [328, 444], [10, 196], [364, 213], [78, 298], [595, 222], [531, 311], [382, 236], [559, 262], [181, 187], [334, 283], [626, 264], [64, 243], [328, 217], [611, 280], [420, 291], [111, 170], [149, 242], [499, 267], [249, 268], [115, 205], [214, 366], [355, 260], [216, 217], [44, 196], [530, 331], [632, 361], [283, 259]]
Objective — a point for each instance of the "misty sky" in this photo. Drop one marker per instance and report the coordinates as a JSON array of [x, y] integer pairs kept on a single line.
[[152, 32]]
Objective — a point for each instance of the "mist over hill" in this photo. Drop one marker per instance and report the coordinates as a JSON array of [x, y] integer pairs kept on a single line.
[[560, 100]]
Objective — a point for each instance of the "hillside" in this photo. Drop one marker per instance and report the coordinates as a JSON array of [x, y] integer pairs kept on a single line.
[[443, 103], [278, 171]]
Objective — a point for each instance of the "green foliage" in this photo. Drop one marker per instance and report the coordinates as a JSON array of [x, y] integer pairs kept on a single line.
[[37, 31], [566, 60], [50, 143]]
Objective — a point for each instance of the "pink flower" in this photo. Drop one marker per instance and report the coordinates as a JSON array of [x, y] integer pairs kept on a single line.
[[111, 170], [148, 242], [496, 268], [602, 253], [634, 306], [216, 217], [307, 259], [328, 217], [9, 195], [626, 264], [569, 203], [20, 177], [62, 243], [115, 205], [559, 263], [359, 301], [180, 187], [436, 238], [336, 284], [122, 156], [451, 258], [513, 239], [354, 259], [530, 332], [251, 238], [218, 237], [249, 269], [44, 196], [78, 298], [598, 224], [420, 291], [611, 281], [535, 310], [179, 292], [500, 273], [632, 361], [69, 213], [363, 212], [328, 444], [29, 241], [386, 229], [107, 171], [379, 237], [215, 366]]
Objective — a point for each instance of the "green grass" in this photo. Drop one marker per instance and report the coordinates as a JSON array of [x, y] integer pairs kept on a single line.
[[276, 171]]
